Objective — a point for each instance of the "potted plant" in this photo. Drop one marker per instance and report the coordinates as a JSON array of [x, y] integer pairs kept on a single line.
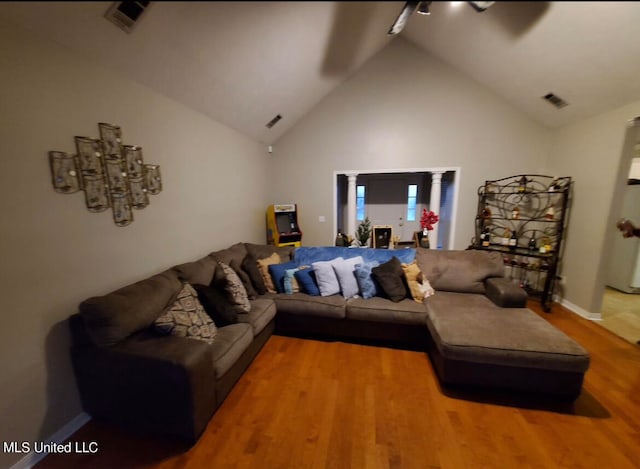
[[363, 233]]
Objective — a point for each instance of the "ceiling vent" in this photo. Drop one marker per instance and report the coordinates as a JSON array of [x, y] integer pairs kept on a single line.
[[557, 101], [273, 121], [126, 15]]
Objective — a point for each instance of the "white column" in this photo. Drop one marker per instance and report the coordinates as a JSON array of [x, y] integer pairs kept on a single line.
[[434, 205], [351, 205]]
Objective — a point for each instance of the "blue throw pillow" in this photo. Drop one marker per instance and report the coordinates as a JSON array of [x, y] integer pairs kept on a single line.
[[289, 286], [307, 280], [366, 283], [278, 272]]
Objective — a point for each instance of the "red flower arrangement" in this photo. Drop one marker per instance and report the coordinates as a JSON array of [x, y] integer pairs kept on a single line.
[[428, 219]]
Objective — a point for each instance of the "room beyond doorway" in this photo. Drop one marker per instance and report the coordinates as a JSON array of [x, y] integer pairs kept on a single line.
[[396, 198]]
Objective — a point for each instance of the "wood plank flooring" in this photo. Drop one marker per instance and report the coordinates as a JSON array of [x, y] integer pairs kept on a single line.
[[621, 314], [312, 404]]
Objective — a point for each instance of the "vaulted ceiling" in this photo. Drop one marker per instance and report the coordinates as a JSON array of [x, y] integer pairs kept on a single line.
[[242, 63]]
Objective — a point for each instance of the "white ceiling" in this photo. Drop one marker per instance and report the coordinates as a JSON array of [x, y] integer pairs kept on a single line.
[[242, 63]]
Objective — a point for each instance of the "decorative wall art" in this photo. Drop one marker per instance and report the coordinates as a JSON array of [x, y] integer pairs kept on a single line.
[[110, 174]]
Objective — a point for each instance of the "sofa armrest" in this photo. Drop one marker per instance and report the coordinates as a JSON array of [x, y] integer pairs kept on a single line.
[[504, 293], [163, 384]]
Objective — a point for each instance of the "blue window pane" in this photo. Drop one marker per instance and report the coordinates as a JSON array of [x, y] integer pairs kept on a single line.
[[360, 191], [412, 198]]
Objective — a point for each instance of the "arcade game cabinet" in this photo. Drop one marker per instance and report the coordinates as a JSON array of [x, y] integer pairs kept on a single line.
[[282, 225]]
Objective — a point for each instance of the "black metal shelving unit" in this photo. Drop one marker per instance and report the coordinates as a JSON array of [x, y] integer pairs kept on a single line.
[[535, 208]]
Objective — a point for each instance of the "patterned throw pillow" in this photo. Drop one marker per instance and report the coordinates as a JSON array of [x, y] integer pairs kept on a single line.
[[227, 279], [263, 265], [187, 318]]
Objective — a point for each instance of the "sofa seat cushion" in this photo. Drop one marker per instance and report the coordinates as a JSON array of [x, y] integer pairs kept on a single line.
[[231, 342], [379, 309], [262, 311], [300, 303], [469, 327]]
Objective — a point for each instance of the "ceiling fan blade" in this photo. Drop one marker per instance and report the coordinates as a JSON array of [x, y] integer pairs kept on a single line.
[[404, 15], [480, 6]]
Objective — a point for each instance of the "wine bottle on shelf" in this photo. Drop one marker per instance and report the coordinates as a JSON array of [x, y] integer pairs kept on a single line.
[[522, 184], [513, 241], [486, 237], [550, 214], [532, 242], [515, 213], [505, 237]]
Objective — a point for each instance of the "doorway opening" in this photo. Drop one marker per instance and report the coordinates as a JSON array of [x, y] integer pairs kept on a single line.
[[396, 198]]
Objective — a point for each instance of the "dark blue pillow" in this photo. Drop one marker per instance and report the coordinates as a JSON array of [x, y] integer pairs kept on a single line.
[[307, 281], [278, 272]]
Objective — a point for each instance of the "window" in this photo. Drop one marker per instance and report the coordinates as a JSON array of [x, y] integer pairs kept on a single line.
[[412, 199], [360, 203]]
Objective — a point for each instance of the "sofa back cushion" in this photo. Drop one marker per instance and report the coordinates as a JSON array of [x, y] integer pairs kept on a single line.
[[111, 318], [236, 252], [262, 251], [459, 271], [200, 271]]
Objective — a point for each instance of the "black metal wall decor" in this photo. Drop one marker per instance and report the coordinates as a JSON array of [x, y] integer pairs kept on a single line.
[[110, 174]]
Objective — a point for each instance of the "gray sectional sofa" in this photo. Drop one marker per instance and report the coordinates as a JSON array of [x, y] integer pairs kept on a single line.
[[476, 329]]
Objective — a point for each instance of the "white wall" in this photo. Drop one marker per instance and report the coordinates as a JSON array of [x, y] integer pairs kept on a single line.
[[591, 152], [55, 253], [403, 109]]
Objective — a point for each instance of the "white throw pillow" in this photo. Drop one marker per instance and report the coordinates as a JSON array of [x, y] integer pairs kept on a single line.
[[345, 271], [326, 277]]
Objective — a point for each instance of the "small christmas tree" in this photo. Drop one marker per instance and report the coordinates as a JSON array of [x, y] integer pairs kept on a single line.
[[364, 232]]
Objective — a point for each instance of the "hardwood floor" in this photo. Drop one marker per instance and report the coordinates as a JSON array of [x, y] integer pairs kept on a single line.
[[621, 314], [312, 404]]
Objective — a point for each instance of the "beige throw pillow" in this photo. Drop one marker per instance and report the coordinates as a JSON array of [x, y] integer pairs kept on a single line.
[[263, 265], [413, 274]]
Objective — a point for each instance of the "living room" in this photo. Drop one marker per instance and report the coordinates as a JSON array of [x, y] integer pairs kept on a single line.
[[403, 108]]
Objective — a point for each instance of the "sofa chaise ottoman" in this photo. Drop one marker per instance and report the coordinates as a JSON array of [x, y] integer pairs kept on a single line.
[[513, 348]]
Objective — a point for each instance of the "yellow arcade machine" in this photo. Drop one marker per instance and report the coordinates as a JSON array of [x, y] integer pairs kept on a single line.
[[282, 225]]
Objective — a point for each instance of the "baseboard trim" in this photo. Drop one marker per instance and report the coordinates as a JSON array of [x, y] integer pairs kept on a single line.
[[31, 459], [580, 311]]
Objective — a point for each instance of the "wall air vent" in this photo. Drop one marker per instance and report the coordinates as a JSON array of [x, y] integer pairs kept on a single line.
[[273, 121], [557, 101], [126, 15]]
